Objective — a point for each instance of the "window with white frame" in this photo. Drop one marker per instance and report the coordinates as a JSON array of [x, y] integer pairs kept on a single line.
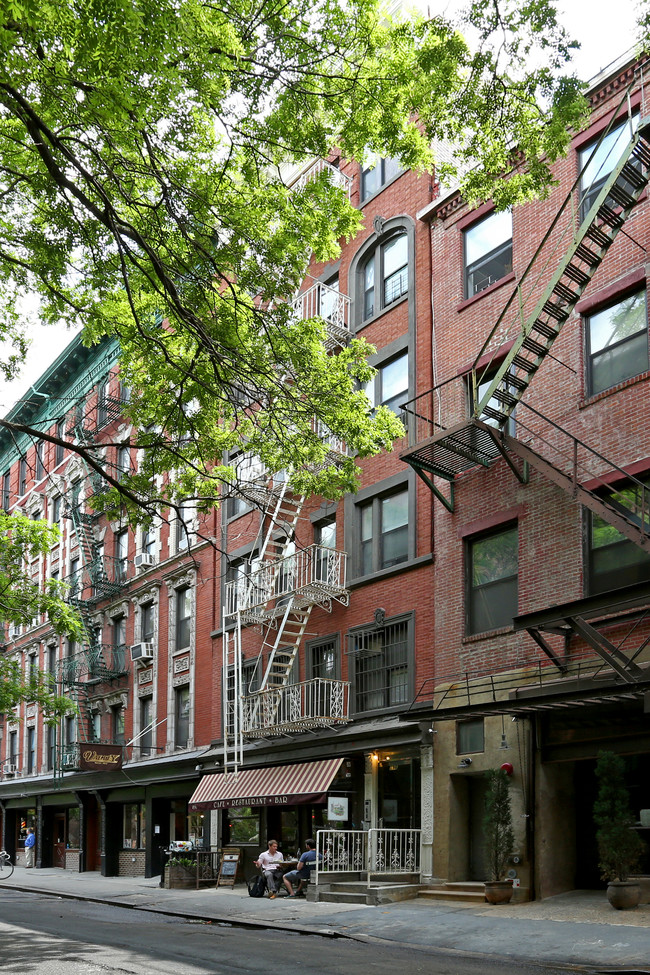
[[617, 343], [385, 274], [487, 251], [121, 555], [145, 739]]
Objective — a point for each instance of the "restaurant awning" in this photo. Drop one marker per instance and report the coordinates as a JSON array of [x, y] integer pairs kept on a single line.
[[276, 785]]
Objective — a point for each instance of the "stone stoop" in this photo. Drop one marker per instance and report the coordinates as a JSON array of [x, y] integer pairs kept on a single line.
[[351, 892], [464, 891]]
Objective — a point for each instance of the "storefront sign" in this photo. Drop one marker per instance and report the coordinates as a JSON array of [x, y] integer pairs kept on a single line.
[[100, 758], [337, 808]]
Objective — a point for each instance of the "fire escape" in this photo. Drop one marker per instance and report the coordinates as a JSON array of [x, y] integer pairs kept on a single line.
[[473, 420], [95, 579], [279, 586]]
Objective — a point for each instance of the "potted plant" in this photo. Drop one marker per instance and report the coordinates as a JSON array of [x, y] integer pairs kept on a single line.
[[499, 836], [619, 846]]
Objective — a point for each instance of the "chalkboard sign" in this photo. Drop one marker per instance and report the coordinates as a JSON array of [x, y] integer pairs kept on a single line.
[[228, 868]]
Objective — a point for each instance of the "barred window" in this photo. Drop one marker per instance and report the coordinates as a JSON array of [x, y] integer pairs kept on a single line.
[[380, 664]]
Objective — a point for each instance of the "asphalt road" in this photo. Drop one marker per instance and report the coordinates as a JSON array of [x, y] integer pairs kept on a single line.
[[54, 936]]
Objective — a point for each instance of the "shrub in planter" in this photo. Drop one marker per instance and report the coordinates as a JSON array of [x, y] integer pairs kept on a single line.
[[499, 836], [619, 846]]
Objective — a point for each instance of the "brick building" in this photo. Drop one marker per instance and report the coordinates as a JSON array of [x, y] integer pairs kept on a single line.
[[313, 667]]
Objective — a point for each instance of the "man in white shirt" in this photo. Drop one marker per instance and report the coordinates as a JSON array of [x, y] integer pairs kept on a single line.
[[268, 862]]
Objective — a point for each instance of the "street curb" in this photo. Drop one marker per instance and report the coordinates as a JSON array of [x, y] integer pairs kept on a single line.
[[275, 924]]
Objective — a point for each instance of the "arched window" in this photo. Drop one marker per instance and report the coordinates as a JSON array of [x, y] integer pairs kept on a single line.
[[385, 274]]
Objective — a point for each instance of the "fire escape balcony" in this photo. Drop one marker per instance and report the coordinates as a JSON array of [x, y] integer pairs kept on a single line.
[[316, 703], [332, 306], [313, 576], [316, 169], [102, 661], [102, 578]]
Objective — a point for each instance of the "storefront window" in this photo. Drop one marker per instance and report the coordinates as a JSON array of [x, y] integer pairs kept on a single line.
[[73, 828], [244, 824], [195, 832], [134, 832], [25, 819]]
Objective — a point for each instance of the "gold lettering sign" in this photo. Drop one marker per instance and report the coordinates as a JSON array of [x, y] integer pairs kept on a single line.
[[94, 758]]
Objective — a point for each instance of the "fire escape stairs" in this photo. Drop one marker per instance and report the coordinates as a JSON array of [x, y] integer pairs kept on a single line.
[[481, 437]]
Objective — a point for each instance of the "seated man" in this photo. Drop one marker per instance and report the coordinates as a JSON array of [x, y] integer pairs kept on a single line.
[[302, 872], [268, 862]]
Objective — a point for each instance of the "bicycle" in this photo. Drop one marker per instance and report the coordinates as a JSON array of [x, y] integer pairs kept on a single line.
[[6, 866]]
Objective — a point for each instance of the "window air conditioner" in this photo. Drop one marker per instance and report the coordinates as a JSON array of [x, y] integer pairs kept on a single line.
[[10, 769], [141, 651], [143, 559]]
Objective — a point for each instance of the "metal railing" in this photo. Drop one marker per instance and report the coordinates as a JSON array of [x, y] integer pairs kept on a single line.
[[314, 703], [322, 301], [380, 853], [103, 660], [393, 851], [315, 573], [317, 168]]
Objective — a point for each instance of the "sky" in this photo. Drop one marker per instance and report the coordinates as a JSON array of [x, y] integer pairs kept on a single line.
[[605, 31]]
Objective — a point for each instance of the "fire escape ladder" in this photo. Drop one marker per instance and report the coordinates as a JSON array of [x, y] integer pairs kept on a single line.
[[284, 644], [450, 424], [610, 210]]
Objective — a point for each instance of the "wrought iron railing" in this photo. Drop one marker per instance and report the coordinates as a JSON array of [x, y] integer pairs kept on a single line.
[[315, 573], [314, 703], [322, 301], [378, 853]]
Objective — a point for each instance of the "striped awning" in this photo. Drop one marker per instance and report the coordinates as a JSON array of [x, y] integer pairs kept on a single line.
[[275, 785]]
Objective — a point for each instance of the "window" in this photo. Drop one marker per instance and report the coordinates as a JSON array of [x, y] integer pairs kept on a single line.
[[617, 343], [40, 466], [56, 510], [121, 555], [75, 578], [182, 525], [380, 664], [183, 617], [31, 751], [134, 833], [484, 382], [488, 251], [323, 659], [123, 467], [117, 724], [613, 560], [6, 490], [13, 748], [96, 726], [22, 476], [376, 174], [147, 622], [329, 300], [385, 275], [390, 386], [384, 538], [469, 736], [59, 449], [148, 541], [70, 729], [50, 760], [182, 716], [492, 572], [102, 405], [145, 741], [599, 165]]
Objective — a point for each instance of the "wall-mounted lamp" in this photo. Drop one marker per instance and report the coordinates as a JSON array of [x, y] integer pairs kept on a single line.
[[504, 740], [465, 763], [198, 768], [374, 757]]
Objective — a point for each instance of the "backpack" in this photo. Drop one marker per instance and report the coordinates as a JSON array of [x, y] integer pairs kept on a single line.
[[257, 887]]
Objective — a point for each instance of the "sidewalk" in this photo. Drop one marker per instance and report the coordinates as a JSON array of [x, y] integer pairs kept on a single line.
[[577, 928]]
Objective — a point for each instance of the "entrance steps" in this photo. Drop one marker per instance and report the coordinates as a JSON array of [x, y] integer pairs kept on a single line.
[[358, 892], [465, 891]]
